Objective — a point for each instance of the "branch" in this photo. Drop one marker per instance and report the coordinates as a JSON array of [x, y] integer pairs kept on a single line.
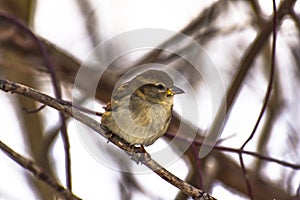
[[200, 143], [37, 172], [56, 86], [266, 100], [246, 64], [137, 154]]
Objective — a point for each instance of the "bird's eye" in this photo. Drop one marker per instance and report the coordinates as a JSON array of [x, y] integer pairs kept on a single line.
[[160, 87]]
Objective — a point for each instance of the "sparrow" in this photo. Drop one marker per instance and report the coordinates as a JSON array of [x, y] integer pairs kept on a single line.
[[140, 110]]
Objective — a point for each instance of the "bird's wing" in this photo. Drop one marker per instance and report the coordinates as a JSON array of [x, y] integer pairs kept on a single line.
[[119, 94]]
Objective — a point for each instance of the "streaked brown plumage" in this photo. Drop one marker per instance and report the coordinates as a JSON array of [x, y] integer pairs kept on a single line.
[[140, 110]]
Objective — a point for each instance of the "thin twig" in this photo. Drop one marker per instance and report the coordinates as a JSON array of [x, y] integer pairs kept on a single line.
[[266, 100], [246, 64], [270, 84], [234, 150], [246, 178], [37, 172], [83, 109], [35, 110], [143, 157], [57, 90]]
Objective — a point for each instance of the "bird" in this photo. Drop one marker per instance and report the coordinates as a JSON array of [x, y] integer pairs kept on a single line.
[[140, 110]]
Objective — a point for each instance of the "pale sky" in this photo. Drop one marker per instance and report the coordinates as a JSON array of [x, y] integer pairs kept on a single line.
[[64, 26]]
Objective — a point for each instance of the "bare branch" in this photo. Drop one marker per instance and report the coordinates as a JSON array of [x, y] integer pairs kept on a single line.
[[247, 61], [266, 100], [57, 90], [37, 172], [135, 153]]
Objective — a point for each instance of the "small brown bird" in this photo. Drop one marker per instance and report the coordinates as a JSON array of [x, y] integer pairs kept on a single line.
[[140, 110]]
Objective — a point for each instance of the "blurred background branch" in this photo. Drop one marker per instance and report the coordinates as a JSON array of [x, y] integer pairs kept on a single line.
[[241, 52]]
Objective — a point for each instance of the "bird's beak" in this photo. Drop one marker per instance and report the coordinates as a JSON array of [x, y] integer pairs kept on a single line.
[[174, 90]]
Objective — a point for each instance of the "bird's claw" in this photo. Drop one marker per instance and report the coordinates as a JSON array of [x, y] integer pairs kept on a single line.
[[140, 155]]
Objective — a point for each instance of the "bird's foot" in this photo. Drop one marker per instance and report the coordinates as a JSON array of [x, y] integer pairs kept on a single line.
[[140, 155]]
